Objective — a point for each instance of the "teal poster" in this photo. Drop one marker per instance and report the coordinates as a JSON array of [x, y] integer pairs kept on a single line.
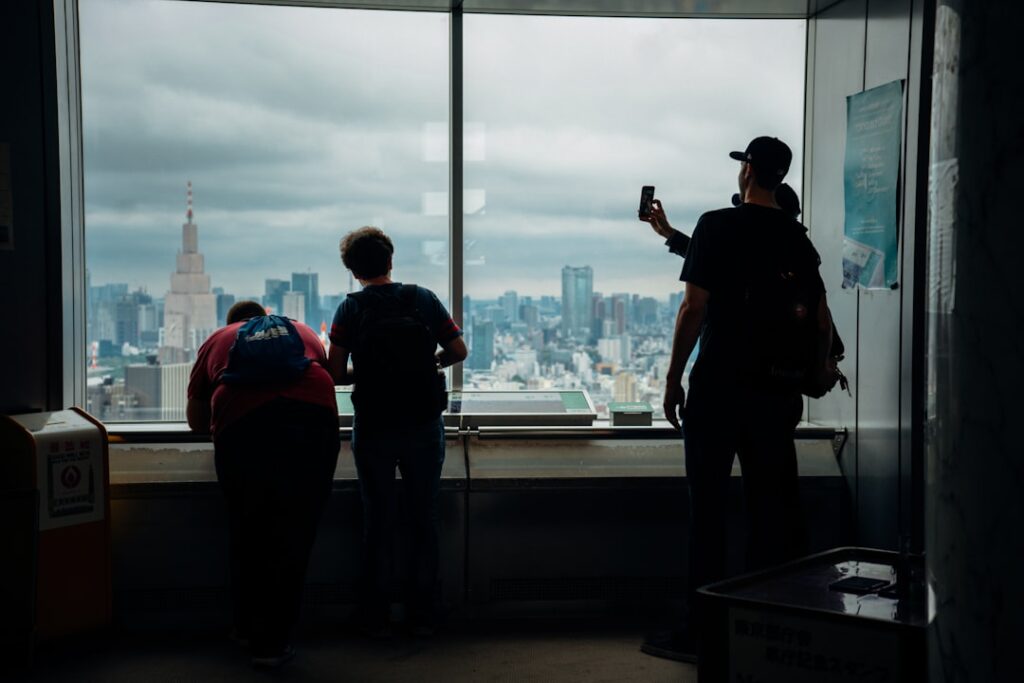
[[871, 173]]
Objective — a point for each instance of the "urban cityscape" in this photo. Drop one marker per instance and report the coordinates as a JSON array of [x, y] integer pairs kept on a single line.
[[141, 347]]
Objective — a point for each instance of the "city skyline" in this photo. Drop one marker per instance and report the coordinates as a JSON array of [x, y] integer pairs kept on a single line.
[[291, 143]]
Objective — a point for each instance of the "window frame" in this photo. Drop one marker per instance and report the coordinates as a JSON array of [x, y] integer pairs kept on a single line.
[[70, 132]]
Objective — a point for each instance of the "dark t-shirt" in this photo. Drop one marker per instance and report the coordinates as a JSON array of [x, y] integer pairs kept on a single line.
[[729, 251], [346, 319]]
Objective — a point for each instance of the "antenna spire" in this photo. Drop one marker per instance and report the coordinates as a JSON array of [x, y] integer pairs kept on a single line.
[[189, 194]]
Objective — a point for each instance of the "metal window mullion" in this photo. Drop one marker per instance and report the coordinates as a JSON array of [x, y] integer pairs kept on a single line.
[[72, 205], [455, 208]]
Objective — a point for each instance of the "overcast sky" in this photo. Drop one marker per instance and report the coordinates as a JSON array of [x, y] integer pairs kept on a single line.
[[296, 125]]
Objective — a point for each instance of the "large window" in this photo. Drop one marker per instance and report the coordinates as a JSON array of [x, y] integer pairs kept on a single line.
[[566, 119], [293, 126], [228, 147]]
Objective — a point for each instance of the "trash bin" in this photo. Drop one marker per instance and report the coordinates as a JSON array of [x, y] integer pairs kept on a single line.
[[55, 502], [841, 615]]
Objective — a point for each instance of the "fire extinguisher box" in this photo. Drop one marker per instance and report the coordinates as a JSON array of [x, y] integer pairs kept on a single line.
[[55, 497]]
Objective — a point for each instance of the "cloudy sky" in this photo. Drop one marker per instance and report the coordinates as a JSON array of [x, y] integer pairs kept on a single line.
[[296, 125]]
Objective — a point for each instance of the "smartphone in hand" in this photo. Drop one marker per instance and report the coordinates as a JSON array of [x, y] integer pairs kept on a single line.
[[646, 199]]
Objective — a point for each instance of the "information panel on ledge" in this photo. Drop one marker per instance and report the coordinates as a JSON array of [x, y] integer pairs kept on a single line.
[[571, 408]]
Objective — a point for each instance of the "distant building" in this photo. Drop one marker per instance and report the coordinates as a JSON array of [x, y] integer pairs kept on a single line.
[[625, 390], [273, 294], [646, 311], [481, 352], [577, 301], [159, 392], [510, 302], [190, 308], [619, 313], [294, 306], [224, 304], [309, 285]]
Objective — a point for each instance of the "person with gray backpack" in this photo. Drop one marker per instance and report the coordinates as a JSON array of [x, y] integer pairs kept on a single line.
[[392, 332]]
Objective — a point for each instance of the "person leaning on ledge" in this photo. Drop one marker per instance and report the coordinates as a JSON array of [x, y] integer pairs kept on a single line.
[[275, 448]]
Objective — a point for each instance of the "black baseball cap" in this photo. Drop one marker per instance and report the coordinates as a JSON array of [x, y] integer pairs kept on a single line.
[[768, 154]]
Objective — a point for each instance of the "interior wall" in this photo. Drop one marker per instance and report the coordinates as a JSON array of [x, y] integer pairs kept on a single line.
[[30, 272], [854, 46]]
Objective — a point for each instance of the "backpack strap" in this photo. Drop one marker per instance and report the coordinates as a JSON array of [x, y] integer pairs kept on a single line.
[[407, 297]]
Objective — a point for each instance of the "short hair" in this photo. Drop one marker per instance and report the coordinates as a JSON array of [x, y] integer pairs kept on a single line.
[[243, 310], [366, 252]]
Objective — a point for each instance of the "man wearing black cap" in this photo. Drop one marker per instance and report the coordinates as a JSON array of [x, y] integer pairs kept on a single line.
[[732, 409]]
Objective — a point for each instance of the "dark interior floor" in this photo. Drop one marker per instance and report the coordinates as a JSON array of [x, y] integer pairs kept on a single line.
[[470, 651]]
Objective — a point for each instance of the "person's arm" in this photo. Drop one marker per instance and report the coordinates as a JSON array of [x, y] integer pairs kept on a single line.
[[199, 393], [453, 352], [337, 365], [197, 412], [688, 323], [678, 243]]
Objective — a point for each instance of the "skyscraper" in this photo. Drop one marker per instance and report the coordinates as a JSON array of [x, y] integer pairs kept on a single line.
[[577, 301], [309, 285], [481, 354], [273, 294], [190, 309], [510, 302], [293, 306]]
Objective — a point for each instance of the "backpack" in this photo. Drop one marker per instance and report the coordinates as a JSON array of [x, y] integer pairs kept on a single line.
[[393, 357], [781, 313], [267, 349]]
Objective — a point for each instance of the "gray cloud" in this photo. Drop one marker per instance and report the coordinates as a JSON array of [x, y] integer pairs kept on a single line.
[[296, 125]]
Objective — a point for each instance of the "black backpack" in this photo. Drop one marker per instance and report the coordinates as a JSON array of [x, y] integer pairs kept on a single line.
[[393, 357], [267, 349], [781, 313]]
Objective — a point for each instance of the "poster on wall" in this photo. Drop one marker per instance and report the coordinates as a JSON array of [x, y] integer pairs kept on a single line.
[[871, 173]]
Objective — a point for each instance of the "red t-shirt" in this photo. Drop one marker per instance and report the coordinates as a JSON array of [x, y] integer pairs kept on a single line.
[[230, 402]]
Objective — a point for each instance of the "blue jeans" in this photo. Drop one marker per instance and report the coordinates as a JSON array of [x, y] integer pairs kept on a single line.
[[418, 453]]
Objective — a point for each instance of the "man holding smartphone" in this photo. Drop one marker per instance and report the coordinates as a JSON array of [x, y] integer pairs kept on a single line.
[[732, 409]]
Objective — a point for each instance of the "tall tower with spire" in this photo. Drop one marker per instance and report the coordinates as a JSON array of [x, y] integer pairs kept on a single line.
[[190, 309]]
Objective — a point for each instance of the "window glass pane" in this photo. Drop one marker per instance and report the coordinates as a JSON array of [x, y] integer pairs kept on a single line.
[[294, 125], [566, 119]]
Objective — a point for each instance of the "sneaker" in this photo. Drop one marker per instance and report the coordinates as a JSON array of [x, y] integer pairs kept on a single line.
[[678, 646], [274, 660]]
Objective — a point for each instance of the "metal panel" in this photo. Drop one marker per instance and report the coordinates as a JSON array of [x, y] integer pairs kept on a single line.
[[170, 536], [836, 71], [879, 369], [914, 241], [790, 9], [29, 369], [605, 520], [647, 8]]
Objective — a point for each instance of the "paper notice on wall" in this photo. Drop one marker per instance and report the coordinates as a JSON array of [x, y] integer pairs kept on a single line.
[[6, 199], [874, 120]]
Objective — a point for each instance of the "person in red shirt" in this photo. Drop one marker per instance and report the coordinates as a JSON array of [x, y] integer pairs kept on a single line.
[[275, 448]]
